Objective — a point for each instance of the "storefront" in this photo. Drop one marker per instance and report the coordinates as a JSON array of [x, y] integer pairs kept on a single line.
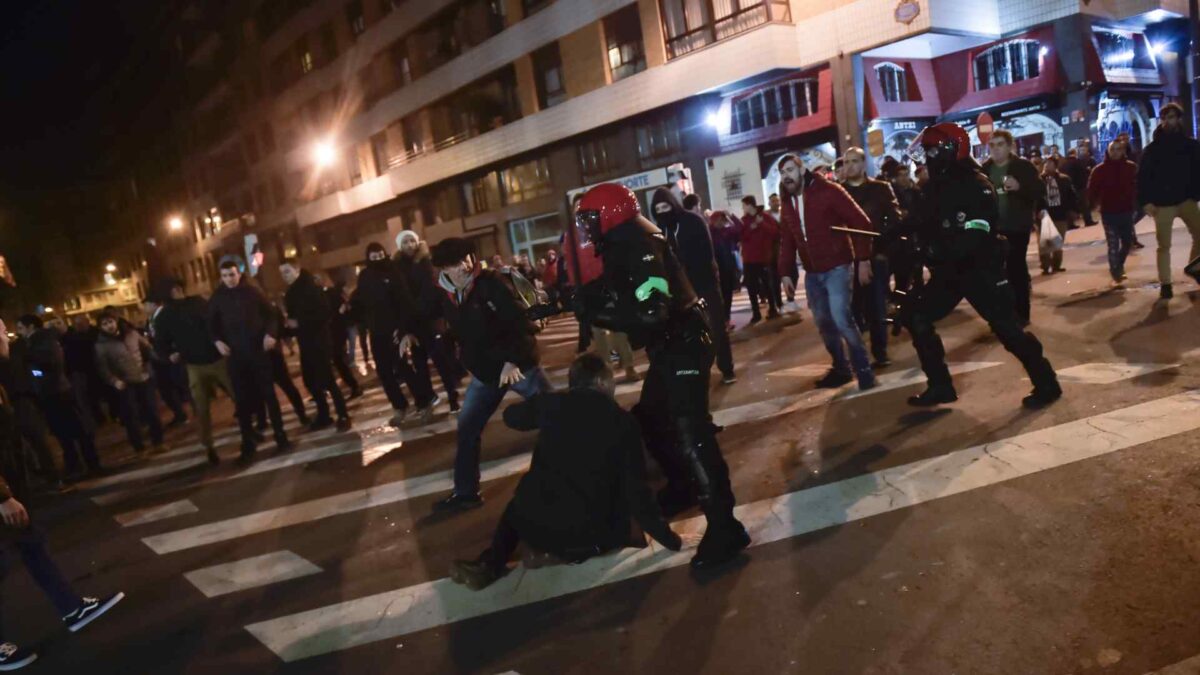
[[645, 183], [1034, 123]]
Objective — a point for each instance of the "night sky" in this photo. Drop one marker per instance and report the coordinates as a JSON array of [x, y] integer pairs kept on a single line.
[[82, 83]]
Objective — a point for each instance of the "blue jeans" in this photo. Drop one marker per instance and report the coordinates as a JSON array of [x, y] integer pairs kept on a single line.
[[1118, 232], [830, 295], [31, 546], [479, 404]]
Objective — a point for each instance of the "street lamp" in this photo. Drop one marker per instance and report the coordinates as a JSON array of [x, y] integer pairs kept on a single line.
[[110, 267], [175, 223], [323, 153]]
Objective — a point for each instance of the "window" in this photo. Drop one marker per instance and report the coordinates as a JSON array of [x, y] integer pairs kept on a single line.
[[658, 139], [547, 69], [534, 236], [774, 104], [445, 205], [329, 46], [526, 181], [482, 194], [691, 24], [305, 56], [599, 156], [354, 17], [410, 128], [894, 82], [1006, 63], [623, 35], [379, 151], [353, 166], [1119, 49], [401, 61]]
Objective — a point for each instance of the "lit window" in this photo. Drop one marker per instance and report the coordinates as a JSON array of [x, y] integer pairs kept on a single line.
[[1006, 63], [893, 81], [623, 33], [306, 61], [774, 104]]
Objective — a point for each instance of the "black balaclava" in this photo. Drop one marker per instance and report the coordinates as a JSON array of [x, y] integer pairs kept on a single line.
[[665, 208]]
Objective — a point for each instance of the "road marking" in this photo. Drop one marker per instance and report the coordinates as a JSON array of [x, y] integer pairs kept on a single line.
[[1186, 667], [270, 568], [436, 603], [1110, 373], [155, 513], [402, 490]]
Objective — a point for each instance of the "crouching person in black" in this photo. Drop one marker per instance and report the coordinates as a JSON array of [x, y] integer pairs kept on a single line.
[[586, 492]]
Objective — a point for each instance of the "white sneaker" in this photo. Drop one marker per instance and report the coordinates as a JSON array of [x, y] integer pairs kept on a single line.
[[13, 657], [792, 306]]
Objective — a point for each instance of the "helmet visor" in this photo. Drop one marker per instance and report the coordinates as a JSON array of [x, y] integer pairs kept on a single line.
[[587, 227]]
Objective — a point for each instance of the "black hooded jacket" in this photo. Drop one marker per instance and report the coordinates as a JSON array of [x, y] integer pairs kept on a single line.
[[240, 317], [1170, 169], [307, 305], [385, 300], [688, 235]]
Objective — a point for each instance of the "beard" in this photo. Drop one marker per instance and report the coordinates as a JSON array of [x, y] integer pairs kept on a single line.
[[790, 185]]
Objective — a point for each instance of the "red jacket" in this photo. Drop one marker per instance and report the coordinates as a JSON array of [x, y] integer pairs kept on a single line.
[[1113, 186], [826, 205], [550, 274], [758, 242]]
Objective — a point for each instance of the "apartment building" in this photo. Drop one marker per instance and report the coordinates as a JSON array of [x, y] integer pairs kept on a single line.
[[316, 126]]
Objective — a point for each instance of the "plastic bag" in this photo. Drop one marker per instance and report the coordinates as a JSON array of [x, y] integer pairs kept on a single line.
[[1049, 239]]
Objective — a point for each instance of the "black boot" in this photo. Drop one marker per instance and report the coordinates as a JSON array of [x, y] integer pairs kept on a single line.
[[725, 537], [676, 498], [1166, 292], [1043, 394], [934, 395]]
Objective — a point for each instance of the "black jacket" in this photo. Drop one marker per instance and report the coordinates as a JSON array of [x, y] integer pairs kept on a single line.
[[1170, 169], [1022, 203], [878, 201], [306, 303], [44, 358], [491, 328], [586, 486], [240, 317], [954, 220], [79, 350], [182, 327], [1060, 206], [384, 299], [421, 279], [688, 235]]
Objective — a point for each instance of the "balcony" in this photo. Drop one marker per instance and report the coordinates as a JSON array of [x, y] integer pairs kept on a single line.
[[692, 24]]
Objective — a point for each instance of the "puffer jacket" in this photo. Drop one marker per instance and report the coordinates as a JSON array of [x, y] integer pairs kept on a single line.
[[121, 359], [821, 248]]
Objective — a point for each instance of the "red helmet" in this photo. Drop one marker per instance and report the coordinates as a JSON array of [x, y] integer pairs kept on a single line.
[[604, 207], [945, 141]]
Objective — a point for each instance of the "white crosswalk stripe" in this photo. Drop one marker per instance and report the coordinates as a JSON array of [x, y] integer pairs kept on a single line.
[[269, 568], [435, 603]]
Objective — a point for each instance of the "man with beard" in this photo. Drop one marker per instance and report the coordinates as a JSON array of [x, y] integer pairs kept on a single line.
[[390, 313], [309, 316], [832, 260], [1168, 184], [643, 290], [688, 235], [966, 259], [245, 329]]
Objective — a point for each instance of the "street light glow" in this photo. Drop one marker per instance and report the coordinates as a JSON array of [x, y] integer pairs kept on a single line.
[[323, 154], [175, 223], [1155, 48], [110, 268], [713, 120]]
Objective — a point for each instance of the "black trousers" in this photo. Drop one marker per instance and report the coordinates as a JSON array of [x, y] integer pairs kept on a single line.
[[392, 370], [254, 389], [717, 320], [139, 408], [32, 428], [673, 413], [341, 361], [989, 293], [440, 350], [759, 284], [1016, 269], [171, 380], [66, 425], [279, 373]]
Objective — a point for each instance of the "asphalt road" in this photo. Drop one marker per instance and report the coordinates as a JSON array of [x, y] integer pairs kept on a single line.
[[979, 538]]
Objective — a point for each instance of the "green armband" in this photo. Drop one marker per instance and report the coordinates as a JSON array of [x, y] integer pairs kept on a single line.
[[649, 286], [977, 225]]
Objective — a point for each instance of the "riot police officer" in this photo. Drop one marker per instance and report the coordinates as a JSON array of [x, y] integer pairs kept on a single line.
[[642, 290], [966, 260]]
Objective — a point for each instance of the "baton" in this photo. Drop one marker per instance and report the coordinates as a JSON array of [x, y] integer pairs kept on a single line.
[[854, 231]]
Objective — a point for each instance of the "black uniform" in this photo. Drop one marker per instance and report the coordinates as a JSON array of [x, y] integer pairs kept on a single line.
[[390, 311], [646, 294], [966, 260]]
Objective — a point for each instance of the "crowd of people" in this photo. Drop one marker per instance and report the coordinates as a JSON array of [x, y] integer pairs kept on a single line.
[[902, 249]]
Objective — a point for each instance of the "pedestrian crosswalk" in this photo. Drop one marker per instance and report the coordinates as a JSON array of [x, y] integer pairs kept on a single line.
[[170, 512]]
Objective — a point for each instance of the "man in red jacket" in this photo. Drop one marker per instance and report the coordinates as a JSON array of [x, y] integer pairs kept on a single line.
[[1113, 185], [759, 235], [812, 207]]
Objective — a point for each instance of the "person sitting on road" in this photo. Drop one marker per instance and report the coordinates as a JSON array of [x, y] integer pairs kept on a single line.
[[586, 492]]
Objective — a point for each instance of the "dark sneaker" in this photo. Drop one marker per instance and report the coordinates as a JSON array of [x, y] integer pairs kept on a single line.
[[718, 548], [728, 378], [454, 406], [90, 610], [933, 396], [259, 436], [881, 362], [320, 424], [176, 422], [13, 657], [1166, 292], [304, 420], [473, 574], [834, 379], [398, 415], [343, 424], [866, 381], [282, 444], [1042, 397], [456, 502], [754, 319], [772, 315]]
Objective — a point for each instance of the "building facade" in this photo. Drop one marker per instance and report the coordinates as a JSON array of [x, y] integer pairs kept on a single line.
[[316, 126]]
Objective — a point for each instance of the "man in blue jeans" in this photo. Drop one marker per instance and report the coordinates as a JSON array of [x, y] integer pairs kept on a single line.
[[498, 348], [812, 207]]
